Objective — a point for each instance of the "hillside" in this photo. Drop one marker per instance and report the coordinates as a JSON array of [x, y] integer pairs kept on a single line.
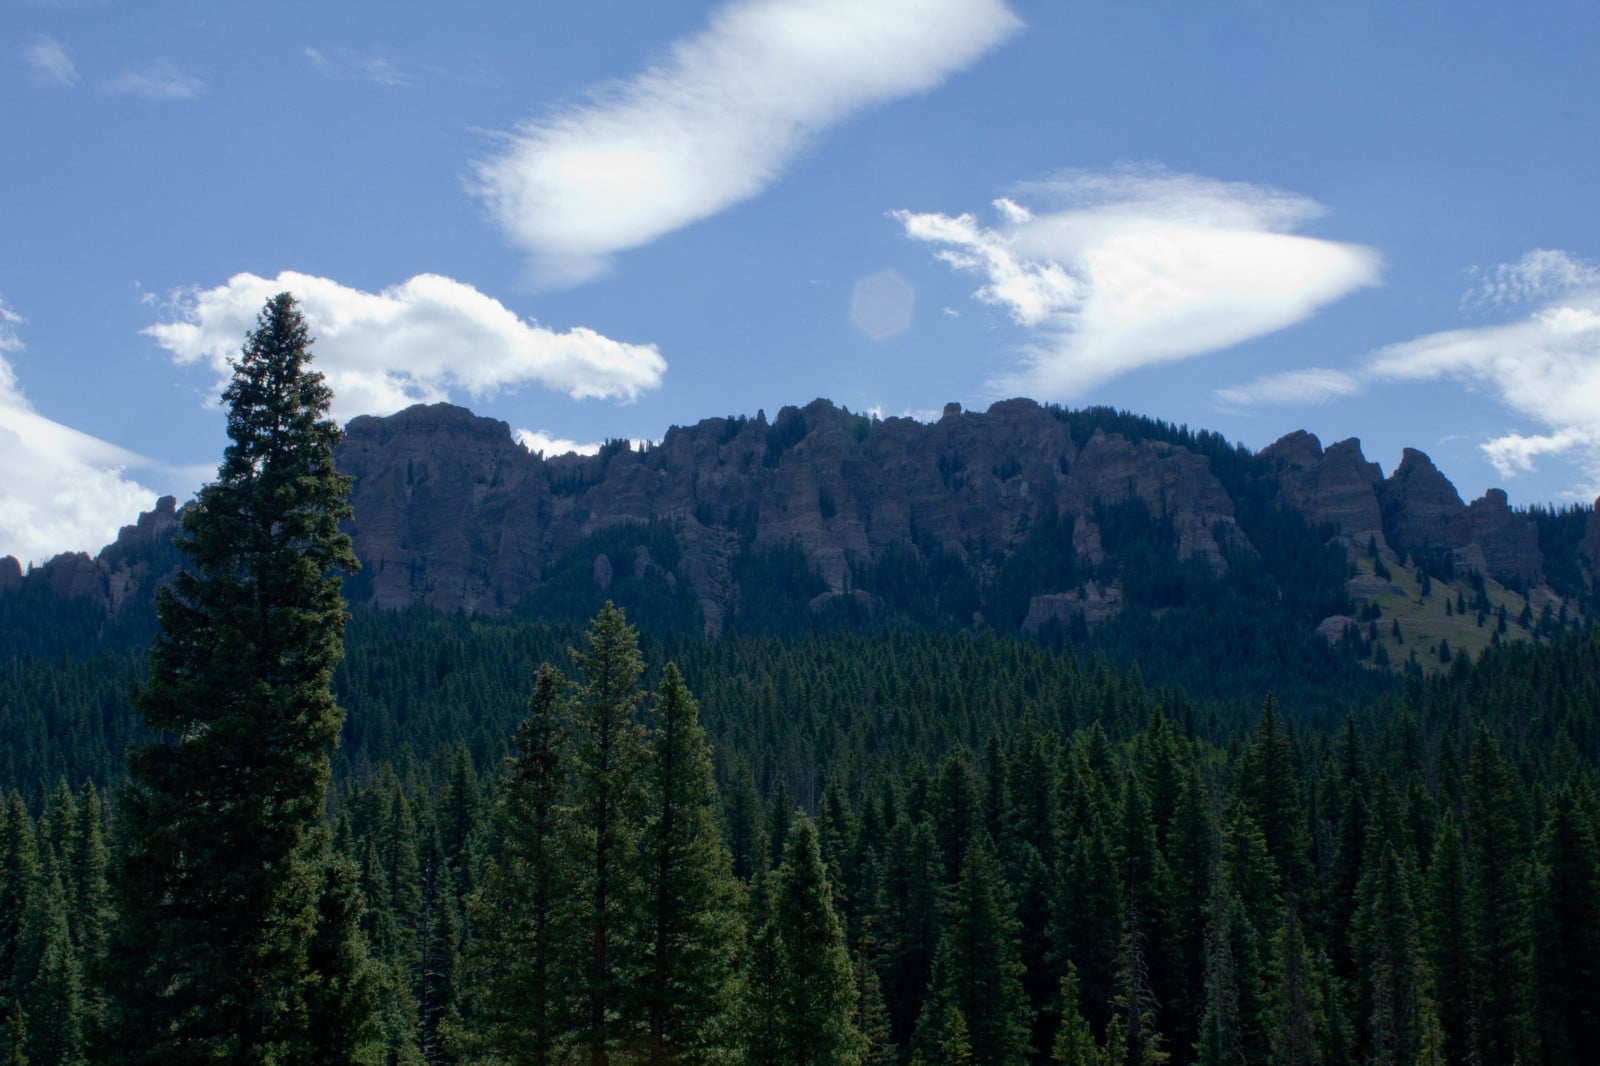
[[1021, 518]]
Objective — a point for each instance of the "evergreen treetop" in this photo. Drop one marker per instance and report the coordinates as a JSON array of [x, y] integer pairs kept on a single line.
[[222, 864]]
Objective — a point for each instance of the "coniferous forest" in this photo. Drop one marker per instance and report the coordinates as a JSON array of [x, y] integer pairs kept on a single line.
[[410, 837]]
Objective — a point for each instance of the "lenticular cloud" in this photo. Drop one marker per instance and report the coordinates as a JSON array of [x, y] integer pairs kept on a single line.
[[717, 121], [1130, 268]]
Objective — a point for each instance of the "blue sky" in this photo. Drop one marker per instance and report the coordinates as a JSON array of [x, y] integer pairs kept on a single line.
[[598, 220]]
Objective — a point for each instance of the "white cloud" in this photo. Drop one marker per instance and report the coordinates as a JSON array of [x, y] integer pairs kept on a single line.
[[1135, 267], [1545, 367], [416, 342], [717, 121], [63, 490], [1309, 386], [347, 64], [158, 81], [538, 440], [49, 63], [1538, 276]]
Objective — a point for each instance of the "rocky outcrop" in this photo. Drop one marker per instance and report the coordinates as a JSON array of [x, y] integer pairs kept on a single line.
[[1421, 508], [1417, 506], [129, 568], [1174, 485], [1507, 542], [1092, 604], [1337, 487], [75, 575], [1590, 551], [449, 510]]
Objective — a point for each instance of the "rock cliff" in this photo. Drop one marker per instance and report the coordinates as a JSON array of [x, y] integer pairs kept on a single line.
[[1415, 509], [451, 511]]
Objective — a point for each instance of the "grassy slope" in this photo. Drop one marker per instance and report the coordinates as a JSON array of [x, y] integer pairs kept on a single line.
[[1424, 622]]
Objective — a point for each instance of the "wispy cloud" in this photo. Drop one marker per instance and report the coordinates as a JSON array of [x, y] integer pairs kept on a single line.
[[160, 80], [417, 342], [717, 121], [1540, 275], [63, 490], [1140, 266], [1312, 385], [1544, 365], [49, 64], [347, 64]]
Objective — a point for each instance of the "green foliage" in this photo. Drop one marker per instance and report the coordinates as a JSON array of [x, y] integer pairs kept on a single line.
[[220, 878], [1318, 882], [521, 958], [816, 1006], [977, 974], [647, 581], [693, 900], [1496, 821]]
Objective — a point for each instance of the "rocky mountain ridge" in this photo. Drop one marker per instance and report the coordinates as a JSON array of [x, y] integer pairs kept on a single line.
[[452, 512]]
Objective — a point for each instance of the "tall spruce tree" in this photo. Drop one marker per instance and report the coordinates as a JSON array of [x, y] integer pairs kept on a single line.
[[602, 832], [521, 956], [1446, 940], [817, 1006], [977, 975], [692, 899], [221, 872], [761, 1006], [1498, 852]]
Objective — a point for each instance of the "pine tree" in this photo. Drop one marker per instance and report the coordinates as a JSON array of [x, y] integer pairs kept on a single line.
[[19, 886], [459, 820], [343, 1003], [1090, 919], [978, 970], [1269, 788], [955, 1046], [1074, 1043], [91, 915], [401, 901], [438, 944], [1446, 938], [519, 964], [221, 869], [50, 981], [816, 1024], [1566, 910], [872, 1015], [761, 1013], [689, 884], [1190, 858], [1496, 821], [909, 911], [1136, 1004], [1235, 1026], [602, 832], [957, 813], [1297, 999], [1386, 930], [742, 813]]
